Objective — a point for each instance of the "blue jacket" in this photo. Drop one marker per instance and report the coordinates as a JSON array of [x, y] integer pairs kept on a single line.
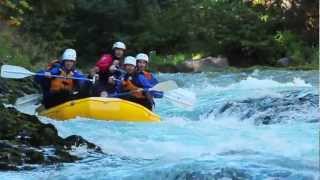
[[142, 81], [112, 89], [119, 75], [115, 90]]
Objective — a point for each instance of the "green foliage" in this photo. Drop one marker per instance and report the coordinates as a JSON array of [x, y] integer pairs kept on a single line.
[[173, 59], [254, 32], [314, 56], [296, 49], [8, 54], [22, 50], [13, 11]]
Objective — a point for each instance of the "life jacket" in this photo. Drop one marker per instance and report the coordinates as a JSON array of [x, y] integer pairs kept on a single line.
[[104, 63], [147, 75], [62, 84], [128, 85]]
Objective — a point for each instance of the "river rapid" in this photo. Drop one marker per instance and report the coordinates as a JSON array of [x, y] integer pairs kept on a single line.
[[261, 124]]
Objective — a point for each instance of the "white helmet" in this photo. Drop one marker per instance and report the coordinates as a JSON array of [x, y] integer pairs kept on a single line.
[[130, 60], [142, 56], [119, 45], [69, 54]]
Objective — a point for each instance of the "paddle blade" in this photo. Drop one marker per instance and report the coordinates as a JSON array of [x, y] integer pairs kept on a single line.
[[28, 104], [14, 72], [28, 100], [181, 98], [165, 86]]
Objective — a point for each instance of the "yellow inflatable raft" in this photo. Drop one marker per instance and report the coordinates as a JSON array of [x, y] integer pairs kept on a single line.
[[101, 109]]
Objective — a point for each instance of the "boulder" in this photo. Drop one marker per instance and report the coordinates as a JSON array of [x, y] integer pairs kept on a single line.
[[25, 140], [285, 61], [76, 141], [10, 89], [205, 64]]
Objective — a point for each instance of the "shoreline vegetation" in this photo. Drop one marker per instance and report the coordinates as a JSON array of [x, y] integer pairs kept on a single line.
[[247, 33], [16, 49]]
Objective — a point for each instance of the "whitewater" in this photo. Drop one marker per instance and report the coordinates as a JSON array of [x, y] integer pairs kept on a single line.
[[261, 124]]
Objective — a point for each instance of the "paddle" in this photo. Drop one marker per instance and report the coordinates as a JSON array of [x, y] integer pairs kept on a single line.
[[176, 95], [28, 100], [181, 97], [162, 86], [17, 72], [35, 98], [165, 86]]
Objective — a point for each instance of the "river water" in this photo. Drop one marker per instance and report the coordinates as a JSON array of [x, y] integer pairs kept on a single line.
[[261, 124]]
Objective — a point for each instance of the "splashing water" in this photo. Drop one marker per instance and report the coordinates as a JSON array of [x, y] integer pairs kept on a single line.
[[225, 136]]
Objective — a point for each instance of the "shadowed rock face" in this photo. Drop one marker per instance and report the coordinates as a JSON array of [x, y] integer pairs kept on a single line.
[[24, 140], [11, 89], [293, 106]]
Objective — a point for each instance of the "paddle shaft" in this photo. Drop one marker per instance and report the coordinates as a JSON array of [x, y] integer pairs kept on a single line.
[[8, 71], [128, 93], [121, 94], [159, 87], [165, 96], [20, 70], [57, 76]]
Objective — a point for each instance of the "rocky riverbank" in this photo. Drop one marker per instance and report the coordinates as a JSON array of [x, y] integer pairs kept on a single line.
[[24, 140], [220, 63], [11, 89]]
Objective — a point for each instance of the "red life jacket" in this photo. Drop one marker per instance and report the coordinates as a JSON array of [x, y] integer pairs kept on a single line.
[[104, 62]]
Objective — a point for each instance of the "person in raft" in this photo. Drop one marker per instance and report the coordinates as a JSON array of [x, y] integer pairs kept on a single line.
[[59, 90], [145, 79], [111, 87], [133, 83], [108, 65]]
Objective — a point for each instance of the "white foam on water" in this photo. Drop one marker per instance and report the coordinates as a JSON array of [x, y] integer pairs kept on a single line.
[[179, 139], [252, 83], [208, 138]]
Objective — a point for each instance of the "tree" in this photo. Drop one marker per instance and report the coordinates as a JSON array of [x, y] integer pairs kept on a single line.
[[12, 11]]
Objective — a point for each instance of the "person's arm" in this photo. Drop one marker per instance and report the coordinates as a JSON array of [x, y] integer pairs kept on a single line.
[[46, 74], [156, 94], [153, 81], [146, 85], [144, 82], [42, 81], [80, 83], [118, 86], [39, 79], [54, 71]]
